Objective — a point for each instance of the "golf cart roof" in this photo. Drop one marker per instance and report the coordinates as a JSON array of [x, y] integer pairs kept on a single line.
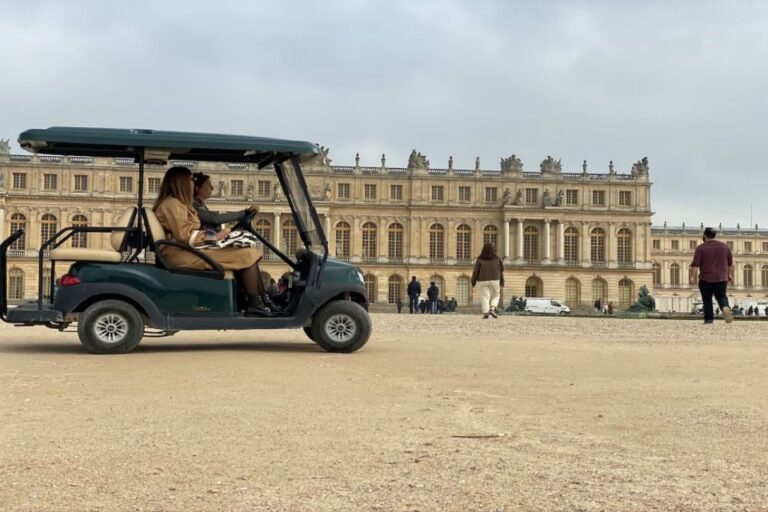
[[162, 145]]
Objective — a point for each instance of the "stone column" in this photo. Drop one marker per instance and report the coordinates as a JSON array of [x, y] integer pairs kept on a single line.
[[519, 240], [560, 242], [276, 230], [547, 242], [585, 245], [2, 223], [610, 248], [327, 227], [506, 238]]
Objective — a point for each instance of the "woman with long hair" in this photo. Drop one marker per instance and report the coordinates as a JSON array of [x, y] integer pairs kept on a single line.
[[181, 223], [488, 276], [208, 219]]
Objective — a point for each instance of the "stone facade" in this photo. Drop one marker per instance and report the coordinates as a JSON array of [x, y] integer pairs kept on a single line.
[[570, 236]]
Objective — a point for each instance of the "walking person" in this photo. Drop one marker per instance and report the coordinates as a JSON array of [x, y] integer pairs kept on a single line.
[[414, 290], [488, 276], [433, 293], [399, 305], [712, 267]]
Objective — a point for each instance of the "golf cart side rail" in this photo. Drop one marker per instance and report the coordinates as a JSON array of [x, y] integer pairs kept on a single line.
[[4, 272]]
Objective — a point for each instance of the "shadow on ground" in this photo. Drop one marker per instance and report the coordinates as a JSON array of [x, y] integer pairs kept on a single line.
[[72, 348]]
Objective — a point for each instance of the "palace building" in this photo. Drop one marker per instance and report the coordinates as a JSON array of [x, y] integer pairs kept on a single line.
[[574, 237]]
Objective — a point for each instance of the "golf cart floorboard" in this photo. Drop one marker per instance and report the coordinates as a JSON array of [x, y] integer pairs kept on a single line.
[[234, 322], [30, 314]]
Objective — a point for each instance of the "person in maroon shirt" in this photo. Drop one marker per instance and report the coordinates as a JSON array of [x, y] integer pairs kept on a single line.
[[713, 267]]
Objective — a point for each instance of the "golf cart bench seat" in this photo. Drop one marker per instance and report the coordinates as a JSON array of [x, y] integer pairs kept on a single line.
[[157, 233], [113, 255]]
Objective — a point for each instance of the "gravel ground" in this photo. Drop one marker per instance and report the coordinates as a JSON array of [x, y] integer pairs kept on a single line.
[[436, 413]]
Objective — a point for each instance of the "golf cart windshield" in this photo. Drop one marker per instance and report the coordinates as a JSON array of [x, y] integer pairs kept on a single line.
[[307, 220]]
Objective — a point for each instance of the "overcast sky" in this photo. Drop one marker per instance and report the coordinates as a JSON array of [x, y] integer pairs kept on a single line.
[[684, 83]]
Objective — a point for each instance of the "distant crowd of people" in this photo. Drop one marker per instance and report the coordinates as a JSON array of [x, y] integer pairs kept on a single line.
[[433, 304], [603, 307]]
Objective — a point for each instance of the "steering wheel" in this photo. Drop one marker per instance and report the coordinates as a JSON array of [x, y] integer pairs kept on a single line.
[[245, 222]]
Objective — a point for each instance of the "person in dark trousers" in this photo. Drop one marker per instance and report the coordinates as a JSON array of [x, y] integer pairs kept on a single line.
[[433, 292], [414, 290], [712, 267], [399, 304]]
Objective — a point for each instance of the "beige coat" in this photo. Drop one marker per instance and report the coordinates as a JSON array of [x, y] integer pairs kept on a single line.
[[182, 224]]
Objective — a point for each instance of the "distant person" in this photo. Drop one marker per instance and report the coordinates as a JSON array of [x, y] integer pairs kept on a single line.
[[750, 311], [423, 306], [433, 293], [399, 304], [488, 276], [610, 308], [598, 306], [712, 267], [414, 290]]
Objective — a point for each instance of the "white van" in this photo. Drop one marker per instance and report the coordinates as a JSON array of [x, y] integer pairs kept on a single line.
[[539, 305]]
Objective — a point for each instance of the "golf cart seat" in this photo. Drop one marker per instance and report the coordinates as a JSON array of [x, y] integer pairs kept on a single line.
[[157, 233], [113, 255]]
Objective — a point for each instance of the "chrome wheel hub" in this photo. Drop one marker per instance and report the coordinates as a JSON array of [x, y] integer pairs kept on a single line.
[[111, 328], [341, 328]]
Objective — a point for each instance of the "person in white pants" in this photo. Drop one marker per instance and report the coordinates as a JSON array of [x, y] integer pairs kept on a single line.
[[488, 277]]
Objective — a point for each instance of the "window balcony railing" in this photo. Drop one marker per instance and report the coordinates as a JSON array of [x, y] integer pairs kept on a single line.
[[626, 264], [342, 257], [395, 259], [17, 252], [464, 261], [369, 259], [437, 261], [533, 262], [572, 263], [598, 264]]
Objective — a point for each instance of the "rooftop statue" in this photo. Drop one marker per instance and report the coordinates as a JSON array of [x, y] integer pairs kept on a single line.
[[549, 164], [5, 147], [640, 168], [417, 161], [511, 164], [322, 159]]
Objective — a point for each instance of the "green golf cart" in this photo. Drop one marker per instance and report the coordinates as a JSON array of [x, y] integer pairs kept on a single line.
[[116, 296]]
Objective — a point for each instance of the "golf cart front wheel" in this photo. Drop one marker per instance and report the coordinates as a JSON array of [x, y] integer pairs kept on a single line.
[[110, 327], [341, 326]]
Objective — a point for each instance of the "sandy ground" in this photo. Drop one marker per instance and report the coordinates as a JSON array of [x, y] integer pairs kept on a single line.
[[435, 413]]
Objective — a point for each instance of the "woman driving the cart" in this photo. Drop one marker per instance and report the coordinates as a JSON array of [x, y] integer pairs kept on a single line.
[[176, 213], [212, 220]]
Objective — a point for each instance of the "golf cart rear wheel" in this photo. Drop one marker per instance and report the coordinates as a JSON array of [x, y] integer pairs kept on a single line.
[[110, 327], [341, 326]]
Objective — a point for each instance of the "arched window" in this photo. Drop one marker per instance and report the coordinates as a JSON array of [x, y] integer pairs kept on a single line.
[[49, 225], [395, 242], [369, 241], [463, 243], [597, 246], [531, 245], [440, 283], [624, 246], [674, 274], [290, 237], [571, 245], [342, 240], [18, 221], [370, 287], [395, 290], [491, 236], [436, 242], [656, 274], [626, 293], [80, 240], [599, 290], [572, 292], [764, 276], [16, 284], [749, 276], [534, 287], [264, 228], [463, 291]]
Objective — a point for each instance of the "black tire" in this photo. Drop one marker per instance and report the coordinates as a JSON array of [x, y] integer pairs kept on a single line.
[[308, 332], [341, 326], [110, 327]]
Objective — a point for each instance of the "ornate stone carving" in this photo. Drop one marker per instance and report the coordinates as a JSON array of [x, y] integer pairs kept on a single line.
[[560, 198], [327, 192], [640, 168], [383, 160], [357, 159], [507, 197], [277, 192], [251, 191], [417, 161], [511, 164], [551, 165], [477, 164], [519, 198], [222, 187], [5, 147], [547, 199], [450, 163]]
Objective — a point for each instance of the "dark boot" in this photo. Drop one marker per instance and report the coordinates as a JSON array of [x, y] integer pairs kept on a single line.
[[256, 307], [268, 302]]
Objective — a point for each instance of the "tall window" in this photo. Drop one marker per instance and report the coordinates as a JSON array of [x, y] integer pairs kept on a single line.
[[572, 196], [436, 242], [18, 221], [395, 242], [438, 193], [531, 196], [369, 241], [370, 287], [571, 245], [81, 182], [747, 246], [572, 292], [236, 188], [531, 245], [50, 182], [749, 276], [626, 293], [624, 246], [597, 245], [598, 197], [80, 240], [463, 291], [126, 184], [656, 244], [764, 276], [465, 194], [599, 290], [19, 180], [153, 185], [692, 245], [491, 236], [369, 190], [396, 192], [16, 284], [656, 274], [675, 245], [491, 194], [342, 240], [264, 188], [48, 227], [534, 287], [264, 228], [395, 289], [625, 198], [674, 274], [342, 191], [463, 242], [290, 237]]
